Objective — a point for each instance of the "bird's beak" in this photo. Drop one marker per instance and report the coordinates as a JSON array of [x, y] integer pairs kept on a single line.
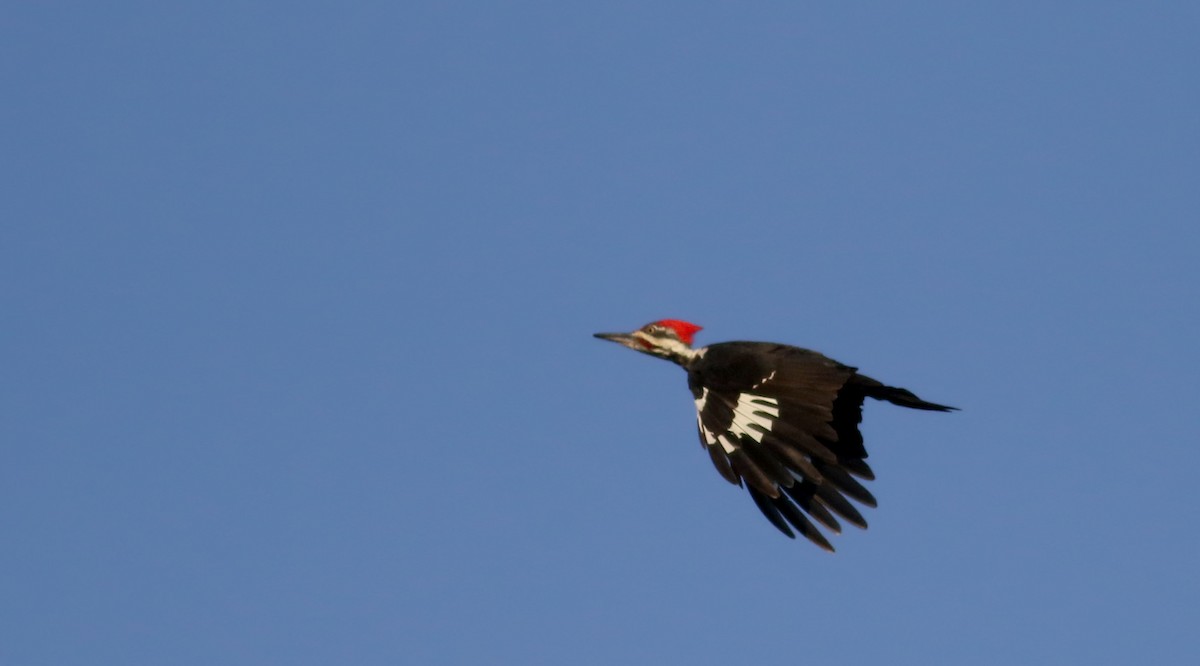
[[623, 339]]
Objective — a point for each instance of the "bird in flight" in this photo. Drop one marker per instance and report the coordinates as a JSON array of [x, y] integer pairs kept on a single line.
[[780, 421]]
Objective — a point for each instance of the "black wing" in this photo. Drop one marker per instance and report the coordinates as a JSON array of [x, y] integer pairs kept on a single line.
[[783, 422]]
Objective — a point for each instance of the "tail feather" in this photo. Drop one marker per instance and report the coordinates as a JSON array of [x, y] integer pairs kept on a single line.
[[904, 398]]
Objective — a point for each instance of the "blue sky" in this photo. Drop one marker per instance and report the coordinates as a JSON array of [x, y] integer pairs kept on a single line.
[[298, 302]]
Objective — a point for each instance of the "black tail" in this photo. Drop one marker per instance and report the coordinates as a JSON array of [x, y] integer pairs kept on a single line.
[[899, 396]]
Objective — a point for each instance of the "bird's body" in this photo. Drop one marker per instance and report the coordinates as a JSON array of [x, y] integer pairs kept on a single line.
[[779, 420]]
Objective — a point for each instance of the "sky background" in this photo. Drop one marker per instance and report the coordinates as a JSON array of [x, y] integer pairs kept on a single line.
[[297, 304]]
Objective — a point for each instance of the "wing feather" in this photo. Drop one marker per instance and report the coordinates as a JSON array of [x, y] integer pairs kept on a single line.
[[783, 422], [782, 512]]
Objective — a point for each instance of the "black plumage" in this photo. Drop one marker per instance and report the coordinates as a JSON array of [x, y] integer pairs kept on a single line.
[[780, 421]]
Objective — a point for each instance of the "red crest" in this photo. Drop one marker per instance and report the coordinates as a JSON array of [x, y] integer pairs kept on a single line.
[[684, 329]]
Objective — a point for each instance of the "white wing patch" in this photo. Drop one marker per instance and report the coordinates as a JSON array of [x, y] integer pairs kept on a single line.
[[709, 437], [753, 416], [765, 380], [729, 446]]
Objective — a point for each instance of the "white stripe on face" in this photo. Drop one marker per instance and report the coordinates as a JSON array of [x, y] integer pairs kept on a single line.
[[667, 344]]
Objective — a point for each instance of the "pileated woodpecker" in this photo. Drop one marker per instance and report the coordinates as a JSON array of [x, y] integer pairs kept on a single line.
[[779, 420]]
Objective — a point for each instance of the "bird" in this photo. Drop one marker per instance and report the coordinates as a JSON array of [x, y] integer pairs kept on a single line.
[[780, 421]]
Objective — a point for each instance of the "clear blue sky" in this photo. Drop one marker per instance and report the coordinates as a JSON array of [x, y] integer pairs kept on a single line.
[[297, 304]]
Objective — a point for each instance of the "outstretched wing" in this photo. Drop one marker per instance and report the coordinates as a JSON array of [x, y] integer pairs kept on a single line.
[[783, 422]]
